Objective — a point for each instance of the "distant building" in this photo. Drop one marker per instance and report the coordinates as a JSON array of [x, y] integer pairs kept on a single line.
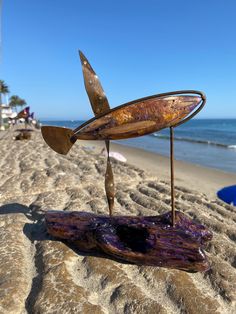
[[7, 112]]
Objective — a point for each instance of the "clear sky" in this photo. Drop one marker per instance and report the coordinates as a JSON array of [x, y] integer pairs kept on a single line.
[[138, 48]]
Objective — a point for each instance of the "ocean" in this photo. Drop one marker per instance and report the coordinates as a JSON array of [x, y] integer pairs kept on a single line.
[[206, 142]]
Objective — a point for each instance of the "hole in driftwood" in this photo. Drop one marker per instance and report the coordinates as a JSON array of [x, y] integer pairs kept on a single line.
[[133, 238]]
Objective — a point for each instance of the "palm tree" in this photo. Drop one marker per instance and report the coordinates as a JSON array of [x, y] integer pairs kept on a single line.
[[3, 90], [16, 101]]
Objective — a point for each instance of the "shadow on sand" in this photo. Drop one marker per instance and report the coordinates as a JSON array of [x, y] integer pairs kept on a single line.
[[36, 230]]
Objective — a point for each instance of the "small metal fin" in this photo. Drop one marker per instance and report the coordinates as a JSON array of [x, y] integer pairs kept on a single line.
[[59, 139]]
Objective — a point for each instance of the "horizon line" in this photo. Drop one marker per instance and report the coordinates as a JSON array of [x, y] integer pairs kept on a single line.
[[85, 119]]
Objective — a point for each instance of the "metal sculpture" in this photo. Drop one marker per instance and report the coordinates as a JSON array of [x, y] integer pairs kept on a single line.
[[170, 240], [24, 114], [24, 134]]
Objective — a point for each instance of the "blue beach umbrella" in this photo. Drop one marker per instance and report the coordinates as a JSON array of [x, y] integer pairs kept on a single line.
[[228, 194]]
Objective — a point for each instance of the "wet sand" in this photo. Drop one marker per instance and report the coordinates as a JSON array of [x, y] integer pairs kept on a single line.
[[41, 275]]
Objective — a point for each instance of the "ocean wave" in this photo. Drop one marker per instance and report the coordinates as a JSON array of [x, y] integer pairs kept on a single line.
[[232, 147], [191, 140]]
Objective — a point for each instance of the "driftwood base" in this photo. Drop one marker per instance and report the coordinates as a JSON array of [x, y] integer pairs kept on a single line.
[[141, 240]]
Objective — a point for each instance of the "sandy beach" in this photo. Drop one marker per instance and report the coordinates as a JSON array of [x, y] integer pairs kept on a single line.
[[41, 275]]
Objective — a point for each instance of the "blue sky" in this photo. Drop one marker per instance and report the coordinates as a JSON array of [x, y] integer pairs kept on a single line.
[[138, 48]]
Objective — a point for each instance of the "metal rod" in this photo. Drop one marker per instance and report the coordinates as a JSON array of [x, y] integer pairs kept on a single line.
[[109, 181], [172, 175]]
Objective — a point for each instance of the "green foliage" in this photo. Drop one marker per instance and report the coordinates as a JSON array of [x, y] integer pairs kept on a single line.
[[16, 101], [3, 87]]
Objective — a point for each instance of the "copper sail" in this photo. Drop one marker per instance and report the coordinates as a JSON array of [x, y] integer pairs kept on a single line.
[[93, 87]]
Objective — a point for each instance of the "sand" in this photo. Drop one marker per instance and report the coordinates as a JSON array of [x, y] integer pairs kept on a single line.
[[41, 275]]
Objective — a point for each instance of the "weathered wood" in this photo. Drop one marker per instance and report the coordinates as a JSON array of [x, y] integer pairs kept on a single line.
[[148, 240]]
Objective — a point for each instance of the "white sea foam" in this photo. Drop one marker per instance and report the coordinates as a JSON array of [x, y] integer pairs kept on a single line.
[[232, 147]]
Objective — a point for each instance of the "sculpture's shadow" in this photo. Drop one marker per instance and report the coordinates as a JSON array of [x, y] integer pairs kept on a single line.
[[36, 230]]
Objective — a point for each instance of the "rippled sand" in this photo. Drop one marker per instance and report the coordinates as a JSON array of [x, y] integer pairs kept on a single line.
[[41, 275]]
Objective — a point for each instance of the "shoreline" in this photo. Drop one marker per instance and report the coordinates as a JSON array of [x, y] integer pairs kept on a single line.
[[197, 149], [206, 180]]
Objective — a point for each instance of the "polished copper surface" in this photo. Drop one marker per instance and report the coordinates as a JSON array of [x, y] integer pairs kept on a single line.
[[93, 87], [139, 118], [59, 139]]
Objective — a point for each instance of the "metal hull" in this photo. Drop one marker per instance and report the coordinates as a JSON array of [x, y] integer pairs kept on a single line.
[[139, 118]]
